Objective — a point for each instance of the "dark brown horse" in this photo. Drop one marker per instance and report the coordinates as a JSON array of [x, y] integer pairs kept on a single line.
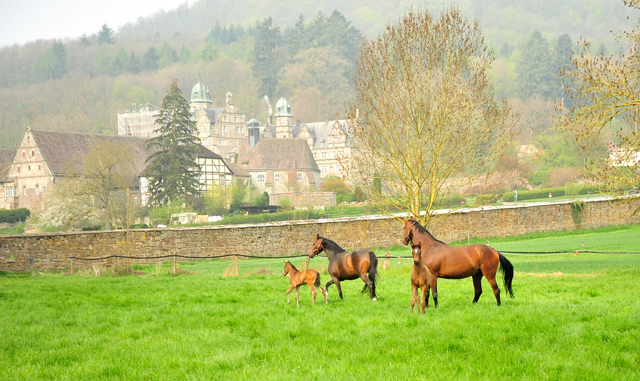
[[348, 266], [457, 262], [298, 278]]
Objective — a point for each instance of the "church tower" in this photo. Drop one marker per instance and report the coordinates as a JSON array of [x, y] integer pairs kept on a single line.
[[200, 98], [283, 116]]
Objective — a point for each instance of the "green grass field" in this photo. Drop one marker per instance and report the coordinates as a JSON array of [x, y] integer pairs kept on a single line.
[[574, 317]]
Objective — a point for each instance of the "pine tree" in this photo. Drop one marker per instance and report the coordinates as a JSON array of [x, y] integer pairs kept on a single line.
[[266, 62], [105, 35], [171, 169], [536, 75], [297, 38]]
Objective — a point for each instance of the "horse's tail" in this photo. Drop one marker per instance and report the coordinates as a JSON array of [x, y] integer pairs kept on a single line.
[[507, 270], [317, 282], [373, 273]]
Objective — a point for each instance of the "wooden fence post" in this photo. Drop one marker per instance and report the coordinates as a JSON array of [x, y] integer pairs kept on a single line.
[[237, 267], [387, 260], [306, 264]]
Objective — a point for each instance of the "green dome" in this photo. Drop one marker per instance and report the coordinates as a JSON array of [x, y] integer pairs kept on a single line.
[[253, 123], [283, 107], [200, 93]]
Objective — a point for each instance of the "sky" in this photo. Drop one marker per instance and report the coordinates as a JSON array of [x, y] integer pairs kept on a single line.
[[27, 20]]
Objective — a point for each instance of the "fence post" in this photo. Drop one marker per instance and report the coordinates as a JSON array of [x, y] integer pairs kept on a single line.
[[306, 264], [71, 272], [237, 268], [387, 260]]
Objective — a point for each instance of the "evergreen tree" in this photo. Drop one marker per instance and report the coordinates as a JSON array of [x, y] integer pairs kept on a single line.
[[150, 59], [171, 169], [105, 35], [297, 38], [121, 62], [340, 35], [536, 75], [562, 59], [266, 62], [60, 53], [134, 64]]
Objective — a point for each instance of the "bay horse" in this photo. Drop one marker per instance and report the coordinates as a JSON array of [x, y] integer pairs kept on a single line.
[[457, 262], [298, 278], [347, 266], [420, 280]]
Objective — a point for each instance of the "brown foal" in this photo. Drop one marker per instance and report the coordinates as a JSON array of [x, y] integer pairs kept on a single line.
[[298, 278], [420, 280]]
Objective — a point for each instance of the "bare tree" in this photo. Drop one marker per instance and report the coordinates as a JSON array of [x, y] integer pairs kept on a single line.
[[606, 94], [424, 111]]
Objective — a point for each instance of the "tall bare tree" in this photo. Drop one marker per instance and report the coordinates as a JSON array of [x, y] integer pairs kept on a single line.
[[606, 92], [424, 111]]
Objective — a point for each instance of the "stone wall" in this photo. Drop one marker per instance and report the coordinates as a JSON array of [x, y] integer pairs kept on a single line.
[[51, 251]]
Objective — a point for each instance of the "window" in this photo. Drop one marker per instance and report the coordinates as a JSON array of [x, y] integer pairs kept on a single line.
[[299, 176], [226, 118], [18, 169], [232, 158], [337, 168], [37, 189], [33, 153], [276, 177], [39, 167], [24, 154], [29, 167], [261, 178], [323, 155], [221, 128], [323, 170], [239, 143], [235, 118], [238, 129], [44, 190], [24, 191], [220, 142]]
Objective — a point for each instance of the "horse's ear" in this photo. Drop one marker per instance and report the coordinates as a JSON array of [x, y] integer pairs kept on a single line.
[[317, 236], [405, 220], [283, 261]]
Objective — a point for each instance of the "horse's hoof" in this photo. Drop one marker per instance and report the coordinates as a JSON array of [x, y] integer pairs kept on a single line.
[[374, 299]]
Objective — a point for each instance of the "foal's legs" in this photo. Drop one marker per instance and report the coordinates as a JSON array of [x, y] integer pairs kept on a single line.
[[313, 292], [414, 296], [424, 302], [288, 291], [477, 285], [324, 293], [297, 291]]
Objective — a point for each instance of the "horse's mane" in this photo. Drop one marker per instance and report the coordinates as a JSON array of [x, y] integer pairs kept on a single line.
[[291, 264], [422, 230], [330, 245]]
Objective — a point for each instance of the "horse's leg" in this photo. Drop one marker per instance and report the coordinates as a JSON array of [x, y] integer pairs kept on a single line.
[[425, 292], [313, 293], [337, 282], [324, 293], [288, 291], [326, 286], [369, 284], [434, 289], [490, 274], [297, 291], [477, 285], [414, 295]]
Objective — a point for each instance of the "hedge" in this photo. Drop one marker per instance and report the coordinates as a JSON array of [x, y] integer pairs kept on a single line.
[[14, 215], [544, 193]]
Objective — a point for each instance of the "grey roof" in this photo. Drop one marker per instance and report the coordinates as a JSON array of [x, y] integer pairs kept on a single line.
[[321, 132], [64, 151], [278, 154]]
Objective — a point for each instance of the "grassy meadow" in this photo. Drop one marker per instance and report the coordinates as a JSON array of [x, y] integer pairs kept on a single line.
[[573, 317]]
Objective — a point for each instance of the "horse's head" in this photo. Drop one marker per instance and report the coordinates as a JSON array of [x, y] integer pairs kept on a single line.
[[417, 252], [287, 268], [408, 234], [317, 247]]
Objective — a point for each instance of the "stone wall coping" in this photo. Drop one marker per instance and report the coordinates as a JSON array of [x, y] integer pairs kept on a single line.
[[309, 222]]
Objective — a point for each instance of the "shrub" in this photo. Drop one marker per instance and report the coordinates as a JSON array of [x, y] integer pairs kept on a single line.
[[508, 196], [573, 189], [539, 178], [140, 226], [349, 197], [452, 201], [14, 215], [359, 195], [285, 203]]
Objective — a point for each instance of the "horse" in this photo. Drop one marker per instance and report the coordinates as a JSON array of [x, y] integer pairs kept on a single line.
[[420, 280], [298, 278], [347, 266], [458, 262]]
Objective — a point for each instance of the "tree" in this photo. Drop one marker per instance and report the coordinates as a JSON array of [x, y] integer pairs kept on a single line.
[[536, 74], [171, 169], [105, 35], [606, 94], [424, 111], [266, 62]]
